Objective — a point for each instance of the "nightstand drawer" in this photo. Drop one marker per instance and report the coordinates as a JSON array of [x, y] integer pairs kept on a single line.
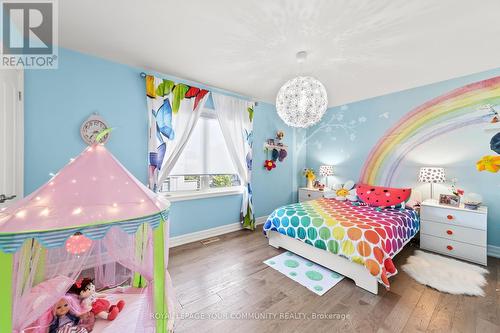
[[305, 195], [453, 232], [455, 249], [456, 217]]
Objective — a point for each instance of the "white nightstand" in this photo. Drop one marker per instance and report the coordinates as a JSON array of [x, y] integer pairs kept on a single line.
[[454, 231], [311, 194]]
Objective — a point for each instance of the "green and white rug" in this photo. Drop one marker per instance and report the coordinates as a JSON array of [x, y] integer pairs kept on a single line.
[[314, 277]]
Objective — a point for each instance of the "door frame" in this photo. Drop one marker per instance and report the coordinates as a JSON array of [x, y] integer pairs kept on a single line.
[[19, 136]]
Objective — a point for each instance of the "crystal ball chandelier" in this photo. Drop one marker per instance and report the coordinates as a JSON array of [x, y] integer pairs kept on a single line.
[[301, 101]]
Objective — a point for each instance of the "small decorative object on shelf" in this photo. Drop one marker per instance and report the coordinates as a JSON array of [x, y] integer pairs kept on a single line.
[[473, 201], [449, 200], [454, 189], [317, 185], [310, 176], [277, 148]]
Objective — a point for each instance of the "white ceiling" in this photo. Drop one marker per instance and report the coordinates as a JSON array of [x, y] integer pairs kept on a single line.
[[358, 49]]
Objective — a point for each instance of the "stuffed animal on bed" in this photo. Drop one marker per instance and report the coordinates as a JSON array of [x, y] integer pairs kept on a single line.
[[66, 317], [95, 302]]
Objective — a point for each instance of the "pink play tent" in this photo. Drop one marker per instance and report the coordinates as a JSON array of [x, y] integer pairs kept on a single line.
[[93, 219]]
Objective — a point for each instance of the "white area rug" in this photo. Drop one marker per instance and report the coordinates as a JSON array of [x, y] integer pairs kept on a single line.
[[446, 274], [314, 277]]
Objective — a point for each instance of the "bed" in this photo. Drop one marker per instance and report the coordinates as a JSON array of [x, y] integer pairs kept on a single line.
[[355, 240]]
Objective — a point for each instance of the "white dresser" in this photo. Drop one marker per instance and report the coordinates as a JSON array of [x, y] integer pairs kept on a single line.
[[310, 194], [454, 231]]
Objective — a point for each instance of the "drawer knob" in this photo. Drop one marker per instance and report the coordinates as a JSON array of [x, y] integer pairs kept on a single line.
[[449, 247], [449, 217], [449, 232], [309, 195]]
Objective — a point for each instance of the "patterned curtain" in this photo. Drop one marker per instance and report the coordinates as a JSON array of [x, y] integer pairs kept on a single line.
[[236, 121], [173, 109]]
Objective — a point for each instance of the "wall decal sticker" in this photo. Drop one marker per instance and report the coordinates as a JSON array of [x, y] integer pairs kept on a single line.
[[456, 109]]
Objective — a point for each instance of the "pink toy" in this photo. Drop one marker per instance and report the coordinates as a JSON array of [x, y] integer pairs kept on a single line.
[[95, 302]]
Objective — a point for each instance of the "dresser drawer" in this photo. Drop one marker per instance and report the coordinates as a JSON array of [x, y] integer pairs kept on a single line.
[[453, 248], [456, 217], [453, 232], [305, 195]]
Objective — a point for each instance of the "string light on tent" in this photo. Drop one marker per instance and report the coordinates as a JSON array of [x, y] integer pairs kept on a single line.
[[44, 212], [301, 101], [20, 214], [77, 211], [78, 244]]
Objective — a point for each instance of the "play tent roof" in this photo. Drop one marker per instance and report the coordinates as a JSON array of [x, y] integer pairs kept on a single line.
[[90, 195]]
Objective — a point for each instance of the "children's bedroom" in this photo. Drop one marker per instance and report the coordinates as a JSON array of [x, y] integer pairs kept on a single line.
[[249, 166]]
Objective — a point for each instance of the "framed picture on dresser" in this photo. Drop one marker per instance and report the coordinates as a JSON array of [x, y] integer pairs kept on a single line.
[[449, 200]]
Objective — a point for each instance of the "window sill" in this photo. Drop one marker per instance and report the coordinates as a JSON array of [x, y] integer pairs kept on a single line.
[[212, 193]]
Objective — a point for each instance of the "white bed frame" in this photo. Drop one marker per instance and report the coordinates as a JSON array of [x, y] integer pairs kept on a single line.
[[361, 276]]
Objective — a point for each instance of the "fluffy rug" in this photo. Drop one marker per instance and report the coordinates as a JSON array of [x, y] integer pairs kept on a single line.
[[314, 277], [446, 274]]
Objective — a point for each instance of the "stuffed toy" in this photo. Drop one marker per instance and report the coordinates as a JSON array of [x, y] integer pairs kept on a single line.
[[95, 302], [66, 316]]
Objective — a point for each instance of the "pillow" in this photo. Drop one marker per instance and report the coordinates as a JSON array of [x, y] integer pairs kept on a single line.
[[380, 196]]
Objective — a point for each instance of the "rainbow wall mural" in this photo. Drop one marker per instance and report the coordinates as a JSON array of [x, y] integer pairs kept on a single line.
[[451, 111]]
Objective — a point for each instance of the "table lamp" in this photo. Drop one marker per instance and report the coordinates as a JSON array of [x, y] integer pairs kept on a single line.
[[326, 171], [431, 175]]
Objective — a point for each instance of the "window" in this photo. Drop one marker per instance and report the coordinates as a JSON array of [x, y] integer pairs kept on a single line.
[[205, 162]]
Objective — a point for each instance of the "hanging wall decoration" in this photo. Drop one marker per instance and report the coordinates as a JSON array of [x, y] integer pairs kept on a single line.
[[495, 143], [277, 149]]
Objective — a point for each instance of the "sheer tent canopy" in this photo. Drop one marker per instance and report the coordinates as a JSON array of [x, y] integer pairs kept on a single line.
[[123, 225]]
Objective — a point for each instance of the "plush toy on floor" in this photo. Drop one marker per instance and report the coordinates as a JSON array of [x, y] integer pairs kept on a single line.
[[95, 302]]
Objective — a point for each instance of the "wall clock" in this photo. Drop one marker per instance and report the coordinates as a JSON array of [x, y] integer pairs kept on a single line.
[[93, 126]]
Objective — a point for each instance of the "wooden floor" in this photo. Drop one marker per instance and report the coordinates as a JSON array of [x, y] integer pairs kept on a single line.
[[227, 279]]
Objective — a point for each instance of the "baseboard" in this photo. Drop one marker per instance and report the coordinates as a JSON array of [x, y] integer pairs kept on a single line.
[[494, 251], [204, 234]]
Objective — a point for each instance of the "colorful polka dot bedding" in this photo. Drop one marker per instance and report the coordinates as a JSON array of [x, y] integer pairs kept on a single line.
[[359, 233]]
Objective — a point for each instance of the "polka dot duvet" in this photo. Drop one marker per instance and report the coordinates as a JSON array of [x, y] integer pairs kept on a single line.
[[362, 234]]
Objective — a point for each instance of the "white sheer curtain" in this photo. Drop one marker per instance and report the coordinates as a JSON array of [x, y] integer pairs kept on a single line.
[[173, 109], [235, 118]]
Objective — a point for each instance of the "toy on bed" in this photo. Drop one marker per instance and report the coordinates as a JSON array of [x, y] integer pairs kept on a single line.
[[95, 302], [383, 197], [66, 317]]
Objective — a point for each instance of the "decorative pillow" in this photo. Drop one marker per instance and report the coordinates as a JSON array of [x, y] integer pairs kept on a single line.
[[380, 196], [343, 192]]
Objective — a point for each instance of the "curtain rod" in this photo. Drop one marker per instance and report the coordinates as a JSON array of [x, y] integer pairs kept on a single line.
[[143, 75]]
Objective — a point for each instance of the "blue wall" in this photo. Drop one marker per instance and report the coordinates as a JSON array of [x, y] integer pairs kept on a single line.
[[348, 133], [58, 101]]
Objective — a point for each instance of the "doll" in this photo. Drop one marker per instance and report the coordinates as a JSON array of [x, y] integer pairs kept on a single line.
[[95, 302], [66, 317]]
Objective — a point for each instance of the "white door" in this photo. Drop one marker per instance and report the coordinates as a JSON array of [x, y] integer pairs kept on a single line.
[[11, 136]]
